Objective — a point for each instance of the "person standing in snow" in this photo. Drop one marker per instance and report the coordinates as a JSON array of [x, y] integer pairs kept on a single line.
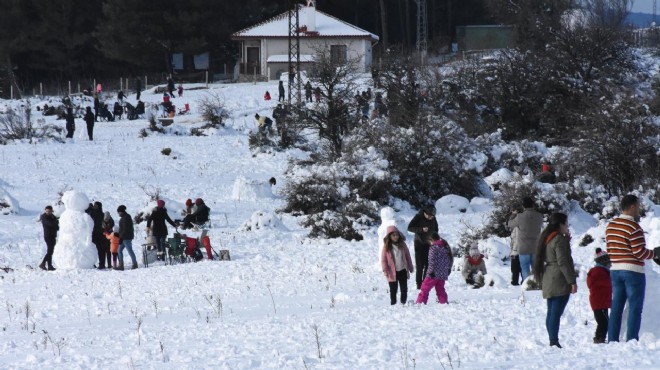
[[529, 224], [96, 213], [180, 90], [114, 240], [627, 249], [97, 107], [126, 233], [170, 86], [515, 258], [317, 94], [158, 217], [108, 225], [50, 225], [423, 225], [308, 92], [138, 87], [89, 120], [600, 293], [396, 263], [280, 90], [474, 267], [440, 263], [554, 269], [70, 123]]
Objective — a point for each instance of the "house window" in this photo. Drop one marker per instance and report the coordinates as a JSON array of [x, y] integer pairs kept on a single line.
[[338, 53]]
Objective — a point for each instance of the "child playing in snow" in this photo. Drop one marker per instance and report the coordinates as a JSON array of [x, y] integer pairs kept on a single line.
[[180, 90], [600, 293], [267, 96], [114, 244], [474, 267], [439, 268], [396, 262]]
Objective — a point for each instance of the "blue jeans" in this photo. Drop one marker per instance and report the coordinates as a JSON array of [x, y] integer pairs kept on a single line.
[[556, 306], [526, 261], [626, 285], [128, 245]]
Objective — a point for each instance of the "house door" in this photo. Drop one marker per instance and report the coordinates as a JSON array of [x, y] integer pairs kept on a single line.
[[253, 60]]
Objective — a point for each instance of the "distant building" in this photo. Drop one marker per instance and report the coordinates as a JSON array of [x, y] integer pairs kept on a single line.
[[472, 38], [264, 49]]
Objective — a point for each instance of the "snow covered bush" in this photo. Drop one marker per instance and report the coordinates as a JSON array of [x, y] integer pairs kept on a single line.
[[339, 198], [20, 126], [213, 110]]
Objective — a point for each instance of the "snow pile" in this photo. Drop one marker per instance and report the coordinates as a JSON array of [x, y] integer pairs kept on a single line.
[[452, 204], [245, 189], [74, 248], [8, 204], [499, 177], [261, 220]]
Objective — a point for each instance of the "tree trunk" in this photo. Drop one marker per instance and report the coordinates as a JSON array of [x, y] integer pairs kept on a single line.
[[12, 77], [450, 20], [383, 23]]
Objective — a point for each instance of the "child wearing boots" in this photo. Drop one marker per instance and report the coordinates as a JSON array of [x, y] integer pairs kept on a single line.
[[600, 293], [396, 262], [440, 262], [114, 244]]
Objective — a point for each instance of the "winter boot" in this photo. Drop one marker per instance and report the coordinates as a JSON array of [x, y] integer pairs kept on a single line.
[[555, 344], [51, 268], [599, 340], [120, 267], [135, 266], [42, 266]]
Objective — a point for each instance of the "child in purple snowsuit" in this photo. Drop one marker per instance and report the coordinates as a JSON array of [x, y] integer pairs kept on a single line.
[[439, 268]]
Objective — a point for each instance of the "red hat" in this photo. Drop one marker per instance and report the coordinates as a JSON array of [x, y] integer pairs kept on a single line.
[[160, 203], [188, 202]]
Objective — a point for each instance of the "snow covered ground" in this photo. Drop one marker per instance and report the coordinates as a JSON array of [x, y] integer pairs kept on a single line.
[[283, 301]]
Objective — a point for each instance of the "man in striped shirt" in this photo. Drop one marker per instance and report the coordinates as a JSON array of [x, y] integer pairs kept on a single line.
[[627, 249]]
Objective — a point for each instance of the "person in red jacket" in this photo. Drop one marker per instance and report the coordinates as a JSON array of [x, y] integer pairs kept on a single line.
[[600, 293]]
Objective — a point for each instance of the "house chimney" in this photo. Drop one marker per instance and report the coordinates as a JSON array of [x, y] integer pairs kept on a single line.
[[311, 15]]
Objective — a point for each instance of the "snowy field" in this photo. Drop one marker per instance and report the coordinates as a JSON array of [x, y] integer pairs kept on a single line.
[[284, 301]]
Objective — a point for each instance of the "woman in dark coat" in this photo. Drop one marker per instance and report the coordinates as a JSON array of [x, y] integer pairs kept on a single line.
[[70, 123], [554, 268], [89, 120], [159, 229]]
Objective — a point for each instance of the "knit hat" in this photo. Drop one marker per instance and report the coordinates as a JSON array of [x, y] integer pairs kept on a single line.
[[602, 257], [188, 202], [160, 203], [474, 250], [106, 215], [115, 229]]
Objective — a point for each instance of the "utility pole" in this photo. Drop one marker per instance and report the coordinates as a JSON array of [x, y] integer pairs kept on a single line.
[[294, 96], [655, 11], [422, 30]]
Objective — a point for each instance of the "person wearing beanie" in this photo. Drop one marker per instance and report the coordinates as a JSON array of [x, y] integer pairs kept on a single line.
[[440, 263], [107, 225], [474, 267], [423, 225], [113, 237], [51, 225], [158, 217], [199, 217], [600, 293], [126, 233], [396, 263], [190, 208]]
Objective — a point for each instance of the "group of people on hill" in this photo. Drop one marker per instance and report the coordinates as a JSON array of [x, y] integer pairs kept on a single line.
[[544, 253], [112, 239]]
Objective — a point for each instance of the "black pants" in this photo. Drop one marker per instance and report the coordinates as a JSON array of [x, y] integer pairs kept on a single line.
[[515, 270], [50, 247], [421, 263], [138, 95], [90, 131], [602, 319], [401, 281], [101, 248]]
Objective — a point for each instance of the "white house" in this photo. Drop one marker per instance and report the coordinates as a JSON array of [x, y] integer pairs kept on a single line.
[[265, 46]]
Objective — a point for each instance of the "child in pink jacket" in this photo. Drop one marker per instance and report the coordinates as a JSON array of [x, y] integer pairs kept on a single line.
[[397, 264]]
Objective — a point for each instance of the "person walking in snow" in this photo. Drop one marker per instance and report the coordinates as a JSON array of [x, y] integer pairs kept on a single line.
[[440, 263], [126, 233], [423, 225], [157, 218], [114, 240], [89, 120], [51, 225], [308, 92], [600, 293], [396, 263], [554, 269], [529, 224], [170, 86], [474, 267]]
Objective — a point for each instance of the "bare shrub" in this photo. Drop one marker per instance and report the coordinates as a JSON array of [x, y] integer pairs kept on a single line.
[[20, 126], [213, 110]]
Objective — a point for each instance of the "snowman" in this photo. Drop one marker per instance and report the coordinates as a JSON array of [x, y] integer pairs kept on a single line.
[[387, 218], [74, 248]]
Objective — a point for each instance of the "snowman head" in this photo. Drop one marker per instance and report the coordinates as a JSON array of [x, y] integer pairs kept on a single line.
[[75, 201]]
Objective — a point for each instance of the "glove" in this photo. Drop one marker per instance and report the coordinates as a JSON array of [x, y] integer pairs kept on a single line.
[[656, 253]]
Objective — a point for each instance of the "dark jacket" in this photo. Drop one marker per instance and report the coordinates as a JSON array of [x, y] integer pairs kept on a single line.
[[201, 214], [417, 224], [70, 122], [89, 118], [158, 217], [280, 88], [51, 224], [97, 216], [126, 227]]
